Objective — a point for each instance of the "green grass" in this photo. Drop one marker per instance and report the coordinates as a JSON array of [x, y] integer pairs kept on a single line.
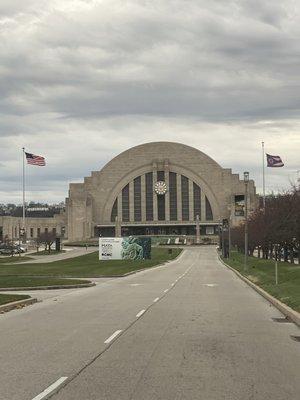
[[262, 273], [22, 281], [8, 298], [14, 259], [88, 265]]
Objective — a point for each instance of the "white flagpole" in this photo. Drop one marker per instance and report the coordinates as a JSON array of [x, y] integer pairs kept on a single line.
[[263, 166], [24, 226]]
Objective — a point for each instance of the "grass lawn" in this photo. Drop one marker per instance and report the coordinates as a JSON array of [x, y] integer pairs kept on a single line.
[[88, 265], [23, 281], [14, 259], [8, 298], [262, 273]]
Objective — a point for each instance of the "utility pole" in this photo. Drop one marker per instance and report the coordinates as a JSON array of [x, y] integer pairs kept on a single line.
[[246, 181]]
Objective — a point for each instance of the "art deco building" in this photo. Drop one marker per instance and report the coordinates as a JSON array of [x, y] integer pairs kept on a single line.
[[156, 188], [151, 189]]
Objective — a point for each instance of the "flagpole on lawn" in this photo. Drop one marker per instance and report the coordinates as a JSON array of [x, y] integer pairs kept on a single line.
[[263, 167], [24, 222]]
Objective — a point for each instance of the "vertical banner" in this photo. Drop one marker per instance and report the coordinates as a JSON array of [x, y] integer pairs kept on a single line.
[[239, 205], [126, 248]]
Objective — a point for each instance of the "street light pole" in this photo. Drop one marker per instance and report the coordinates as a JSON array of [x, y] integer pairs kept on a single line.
[[246, 180], [229, 232]]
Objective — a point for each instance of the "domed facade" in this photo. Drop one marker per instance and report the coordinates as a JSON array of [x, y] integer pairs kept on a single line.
[[155, 188]]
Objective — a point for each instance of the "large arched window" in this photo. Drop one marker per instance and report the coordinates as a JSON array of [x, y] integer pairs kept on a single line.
[[114, 211], [183, 201]]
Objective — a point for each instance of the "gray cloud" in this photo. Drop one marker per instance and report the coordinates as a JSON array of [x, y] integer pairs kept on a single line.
[[82, 80]]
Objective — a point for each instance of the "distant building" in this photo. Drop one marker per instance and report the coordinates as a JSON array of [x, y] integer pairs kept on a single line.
[[153, 189]]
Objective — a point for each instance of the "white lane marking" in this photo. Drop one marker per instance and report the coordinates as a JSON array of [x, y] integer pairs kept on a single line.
[[115, 334], [135, 284], [155, 300], [210, 284], [172, 284], [165, 291], [140, 313], [50, 389]]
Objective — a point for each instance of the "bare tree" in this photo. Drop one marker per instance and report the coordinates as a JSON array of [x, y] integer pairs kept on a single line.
[[47, 239], [275, 231]]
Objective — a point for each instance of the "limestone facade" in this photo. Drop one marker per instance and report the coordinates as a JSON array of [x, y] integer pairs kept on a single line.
[[121, 197], [122, 193], [10, 226]]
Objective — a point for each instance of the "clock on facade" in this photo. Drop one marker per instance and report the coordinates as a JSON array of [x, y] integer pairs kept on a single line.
[[160, 188]]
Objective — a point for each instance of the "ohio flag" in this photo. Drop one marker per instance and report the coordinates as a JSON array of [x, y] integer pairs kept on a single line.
[[274, 161]]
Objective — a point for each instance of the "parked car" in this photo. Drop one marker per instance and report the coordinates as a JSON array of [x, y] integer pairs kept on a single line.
[[8, 250], [20, 249]]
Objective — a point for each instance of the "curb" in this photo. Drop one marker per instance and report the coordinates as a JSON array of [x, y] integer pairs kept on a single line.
[[83, 285], [16, 304], [286, 310]]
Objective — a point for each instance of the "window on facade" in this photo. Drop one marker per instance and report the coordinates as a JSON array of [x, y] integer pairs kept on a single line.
[[31, 232], [137, 199], [46, 230], [38, 231], [197, 200], [185, 198], [149, 196], [209, 214], [125, 203], [160, 175], [173, 195], [161, 200], [54, 231], [161, 203], [114, 211], [209, 230]]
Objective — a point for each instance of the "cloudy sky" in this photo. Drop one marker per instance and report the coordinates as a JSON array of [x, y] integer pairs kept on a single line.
[[82, 80]]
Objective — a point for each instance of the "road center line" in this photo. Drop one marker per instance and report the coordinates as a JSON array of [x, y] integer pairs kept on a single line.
[[165, 291], [155, 300], [140, 313], [51, 388], [115, 334]]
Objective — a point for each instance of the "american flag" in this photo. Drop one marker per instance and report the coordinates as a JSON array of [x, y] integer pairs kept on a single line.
[[35, 160], [274, 161]]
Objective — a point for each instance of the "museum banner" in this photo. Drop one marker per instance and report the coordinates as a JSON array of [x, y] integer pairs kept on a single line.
[[239, 205], [124, 248]]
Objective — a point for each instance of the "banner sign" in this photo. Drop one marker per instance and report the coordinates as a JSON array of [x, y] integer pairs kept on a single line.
[[239, 205], [126, 248]]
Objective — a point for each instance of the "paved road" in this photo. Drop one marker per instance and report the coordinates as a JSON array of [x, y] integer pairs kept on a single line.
[[209, 336]]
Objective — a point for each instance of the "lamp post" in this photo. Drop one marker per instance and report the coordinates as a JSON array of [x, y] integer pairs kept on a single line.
[[229, 232], [246, 181]]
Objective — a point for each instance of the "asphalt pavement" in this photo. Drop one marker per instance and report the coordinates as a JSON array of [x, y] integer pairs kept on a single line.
[[188, 330]]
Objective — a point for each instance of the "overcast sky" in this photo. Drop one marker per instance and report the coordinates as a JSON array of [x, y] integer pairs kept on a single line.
[[83, 80]]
